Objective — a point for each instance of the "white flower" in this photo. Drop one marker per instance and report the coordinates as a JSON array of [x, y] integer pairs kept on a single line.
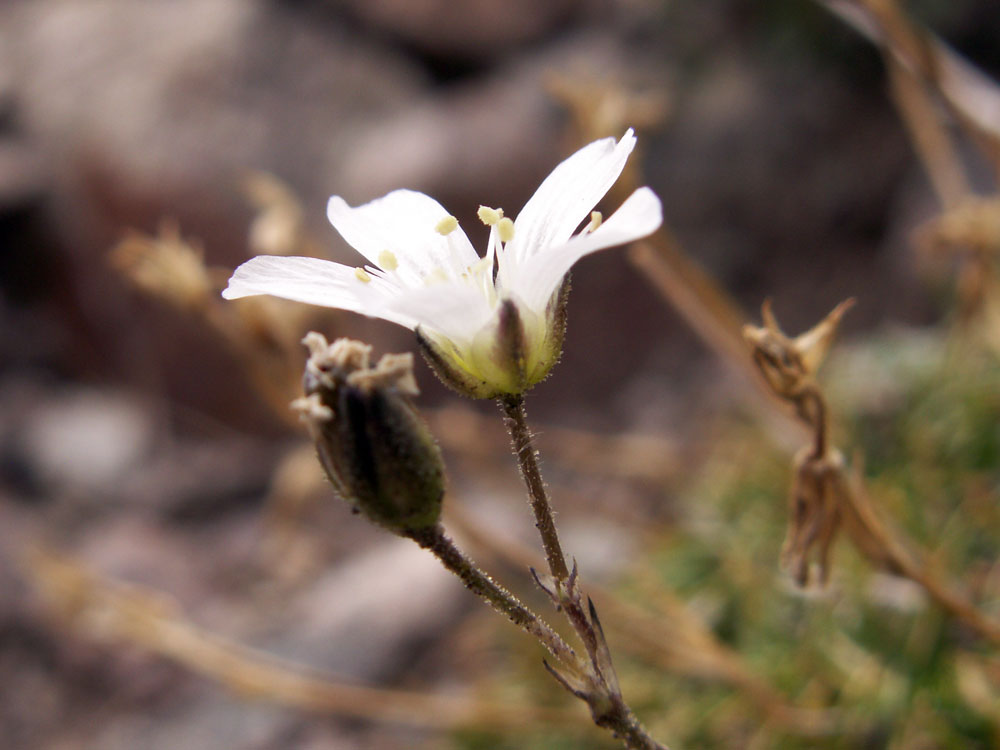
[[492, 325]]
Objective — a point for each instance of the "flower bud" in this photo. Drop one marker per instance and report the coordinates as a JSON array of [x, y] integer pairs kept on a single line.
[[375, 448]]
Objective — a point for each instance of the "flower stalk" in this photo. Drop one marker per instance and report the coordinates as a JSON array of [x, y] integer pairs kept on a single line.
[[515, 418], [489, 326], [596, 682], [382, 459], [592, 680], [482, 585]]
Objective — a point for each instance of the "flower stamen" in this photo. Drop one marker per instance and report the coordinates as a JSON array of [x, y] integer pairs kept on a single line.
[[446, 226], [505, 229], [362, 275], [489, 216], [387, 259], [595, 222]]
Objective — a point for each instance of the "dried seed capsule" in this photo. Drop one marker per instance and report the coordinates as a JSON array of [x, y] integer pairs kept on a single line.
[[377, 451]]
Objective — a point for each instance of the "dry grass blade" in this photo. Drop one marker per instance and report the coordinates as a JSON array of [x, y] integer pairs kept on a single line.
[[929, 136], [114, 612], [716, 319], [885, 546], [694, 294], [261, 333], [972, 96]]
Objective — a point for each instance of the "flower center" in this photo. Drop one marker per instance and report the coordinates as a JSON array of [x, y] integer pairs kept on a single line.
[[486, 273]]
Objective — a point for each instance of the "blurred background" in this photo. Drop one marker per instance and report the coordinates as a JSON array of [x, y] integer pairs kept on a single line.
[[173, 571]]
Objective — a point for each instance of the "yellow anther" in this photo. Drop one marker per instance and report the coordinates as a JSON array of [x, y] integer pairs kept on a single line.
[[446, 226], [595, 222], [505, 229], [489, 216], [387, 259], [362, 275]]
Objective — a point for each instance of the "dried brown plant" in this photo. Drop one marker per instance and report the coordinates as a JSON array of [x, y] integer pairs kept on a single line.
[[825, 495]]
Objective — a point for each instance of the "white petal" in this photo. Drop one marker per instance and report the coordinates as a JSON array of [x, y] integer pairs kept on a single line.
[[316, 282], [456, 311], [404, 223], [539, 276], [568, 195]]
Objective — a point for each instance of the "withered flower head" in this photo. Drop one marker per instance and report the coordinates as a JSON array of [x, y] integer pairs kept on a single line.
[[817, 496], [375, 448], [788, 363], [815, 507], [165, 266]]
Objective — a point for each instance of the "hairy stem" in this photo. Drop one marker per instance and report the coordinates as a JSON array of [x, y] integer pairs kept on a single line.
[[436, 541], [527, 459], [628, 729], [599, 686]]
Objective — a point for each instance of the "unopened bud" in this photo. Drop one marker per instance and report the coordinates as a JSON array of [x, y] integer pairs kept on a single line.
[[377, 451]]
